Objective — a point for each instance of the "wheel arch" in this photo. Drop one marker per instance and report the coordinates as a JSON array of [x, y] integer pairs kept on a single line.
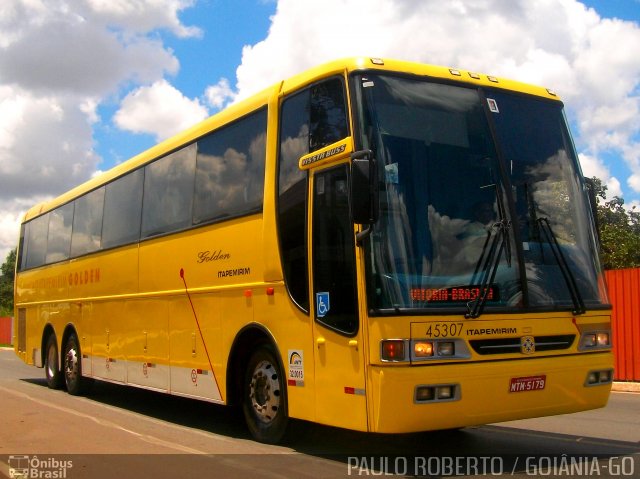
[[244, 344]]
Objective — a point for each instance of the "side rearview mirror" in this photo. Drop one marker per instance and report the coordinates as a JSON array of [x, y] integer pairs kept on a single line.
[[364, 190]]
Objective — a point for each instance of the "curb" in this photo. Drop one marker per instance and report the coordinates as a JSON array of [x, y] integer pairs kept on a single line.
[[627, 387]]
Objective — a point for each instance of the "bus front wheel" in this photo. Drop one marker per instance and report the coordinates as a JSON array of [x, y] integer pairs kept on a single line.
[[51, 369], [264, 397], [76, 384]]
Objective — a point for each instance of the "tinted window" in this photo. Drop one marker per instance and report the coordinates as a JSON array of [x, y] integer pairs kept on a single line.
[[292, 194], [310, 119], [59, 237], [230, 170], [168, 192], [24, 243], [87, 223], [37, 241], [327, 114], [122, 209], [333, 252]]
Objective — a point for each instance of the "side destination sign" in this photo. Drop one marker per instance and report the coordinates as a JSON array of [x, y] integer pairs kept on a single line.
[[327, 154]]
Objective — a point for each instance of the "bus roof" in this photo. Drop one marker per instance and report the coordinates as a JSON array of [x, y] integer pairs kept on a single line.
[[344, 66]]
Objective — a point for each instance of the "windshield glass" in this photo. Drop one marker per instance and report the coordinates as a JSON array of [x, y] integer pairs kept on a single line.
[[551, 206], [457, 224]]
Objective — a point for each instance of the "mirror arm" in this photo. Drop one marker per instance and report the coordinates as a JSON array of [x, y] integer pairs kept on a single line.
[[364, 234], [362, 155]]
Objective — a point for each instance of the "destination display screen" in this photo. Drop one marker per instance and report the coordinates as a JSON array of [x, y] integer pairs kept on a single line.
[[455, 294]]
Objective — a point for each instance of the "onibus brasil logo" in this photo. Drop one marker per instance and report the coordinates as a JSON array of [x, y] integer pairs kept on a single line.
[[33, 467]]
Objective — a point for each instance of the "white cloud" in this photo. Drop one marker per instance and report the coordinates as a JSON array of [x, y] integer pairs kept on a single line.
[[592, 62], [159, 109], [592, 166], [144, 15], [46, 143], [59, 60], [73, 56], [219, 94]]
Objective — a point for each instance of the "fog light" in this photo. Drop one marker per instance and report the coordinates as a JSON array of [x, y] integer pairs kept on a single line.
[[446, 348], [423, 349], [435, 393], [424, 393], [444, 392], [596, 378]]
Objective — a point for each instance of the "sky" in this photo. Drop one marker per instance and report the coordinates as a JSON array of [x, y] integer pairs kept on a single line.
[[87, 84]]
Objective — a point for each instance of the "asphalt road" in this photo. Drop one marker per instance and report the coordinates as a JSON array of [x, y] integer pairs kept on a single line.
[[124, 432]]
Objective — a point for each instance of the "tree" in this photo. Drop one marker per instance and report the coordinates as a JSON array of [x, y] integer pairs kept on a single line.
[[7, 274], [619, 230]]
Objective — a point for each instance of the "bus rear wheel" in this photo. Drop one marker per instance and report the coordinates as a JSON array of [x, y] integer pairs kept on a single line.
[[76, 384], [51, 369], [264, 397]]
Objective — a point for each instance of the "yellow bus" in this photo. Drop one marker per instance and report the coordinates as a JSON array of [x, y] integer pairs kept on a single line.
[[373, 244]]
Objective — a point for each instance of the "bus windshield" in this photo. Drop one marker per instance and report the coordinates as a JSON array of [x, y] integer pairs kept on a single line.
[[482, 206]]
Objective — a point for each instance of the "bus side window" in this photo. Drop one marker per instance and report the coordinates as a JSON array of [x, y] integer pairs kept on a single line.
[[37, 241], [22, 247], [168, 192], [292, 196], [333, 251], [122, 210], [310, 119], [59, 236], [230, 170], [327, 114], [87, 223]]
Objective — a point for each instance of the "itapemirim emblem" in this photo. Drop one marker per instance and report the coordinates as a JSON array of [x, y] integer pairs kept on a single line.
[[527, 345]]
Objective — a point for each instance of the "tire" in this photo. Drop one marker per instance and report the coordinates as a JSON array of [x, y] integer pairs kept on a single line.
[[51, 368], [72, 362], [265, 397]]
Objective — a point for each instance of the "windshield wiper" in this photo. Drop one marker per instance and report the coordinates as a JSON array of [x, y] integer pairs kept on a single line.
[[567, 274], [487, 266], [489, 260]]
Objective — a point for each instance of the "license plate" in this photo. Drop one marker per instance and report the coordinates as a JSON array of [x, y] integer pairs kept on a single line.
[[529, 383]]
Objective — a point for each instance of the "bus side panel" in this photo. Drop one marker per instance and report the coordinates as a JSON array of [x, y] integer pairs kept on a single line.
[[108, 331], [102, 283], [106, 274], [191, 373], [147, 346], [35, 324], [43, 284], [32, 288], [219, 255], [214, 266], [292, 330], [81, 317]]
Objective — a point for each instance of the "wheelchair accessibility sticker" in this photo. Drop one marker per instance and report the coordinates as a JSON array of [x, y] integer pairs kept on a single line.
[[322, 304]]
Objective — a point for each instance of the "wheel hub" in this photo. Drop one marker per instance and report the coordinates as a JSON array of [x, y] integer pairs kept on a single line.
[[71, 364], [265, 391]]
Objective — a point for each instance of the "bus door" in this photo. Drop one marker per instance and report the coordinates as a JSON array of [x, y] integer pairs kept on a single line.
[[338, 346]]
